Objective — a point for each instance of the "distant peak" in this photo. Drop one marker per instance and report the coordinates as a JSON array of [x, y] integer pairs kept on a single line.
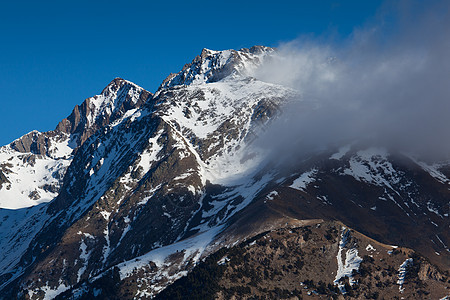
[[206, 52], [212, 66], [258, 49], [118, 97], [116, 84]]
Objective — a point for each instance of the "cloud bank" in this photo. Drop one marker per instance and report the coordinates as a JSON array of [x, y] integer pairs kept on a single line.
[[388, 84]]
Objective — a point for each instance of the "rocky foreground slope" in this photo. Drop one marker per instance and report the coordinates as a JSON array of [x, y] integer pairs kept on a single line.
[[299, 261], [135, 190]]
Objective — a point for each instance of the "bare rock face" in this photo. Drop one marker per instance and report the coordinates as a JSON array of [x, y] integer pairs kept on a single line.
[[33, 142]]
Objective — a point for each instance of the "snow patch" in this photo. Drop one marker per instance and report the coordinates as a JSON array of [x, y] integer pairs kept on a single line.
[[341, 152], [271, 196], [433, 170], [372, 166], [84, 257], [51, 293], [150, 154], [402, 273], [33, 179], [306, 178], [352, 261], [370, 248], [223, 261]]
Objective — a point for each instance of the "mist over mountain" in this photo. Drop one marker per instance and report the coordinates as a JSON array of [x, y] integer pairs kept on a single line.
[[387, 86]]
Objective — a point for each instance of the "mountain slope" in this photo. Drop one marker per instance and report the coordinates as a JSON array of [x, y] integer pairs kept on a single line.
[[34, 168], [315, 259]]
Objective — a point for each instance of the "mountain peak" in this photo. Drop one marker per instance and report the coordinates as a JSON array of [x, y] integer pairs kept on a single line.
[[258, 49], [213, 66], [116, 84], [113, 102], [33, 142]]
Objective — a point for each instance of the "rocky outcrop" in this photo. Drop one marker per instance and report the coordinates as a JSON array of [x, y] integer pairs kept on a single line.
[[33, 142], [118, 97]]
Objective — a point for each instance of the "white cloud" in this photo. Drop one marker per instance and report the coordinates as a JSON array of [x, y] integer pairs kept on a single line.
[[389, 83]]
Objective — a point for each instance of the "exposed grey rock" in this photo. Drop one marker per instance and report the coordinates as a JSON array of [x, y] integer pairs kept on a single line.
[[33, 142], [3, 179]]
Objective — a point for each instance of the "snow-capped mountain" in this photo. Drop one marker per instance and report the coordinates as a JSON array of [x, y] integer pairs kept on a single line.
[[33, 166], [134, 190]]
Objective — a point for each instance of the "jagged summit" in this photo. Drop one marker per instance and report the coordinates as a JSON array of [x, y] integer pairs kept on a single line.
[[115, 100], [118, 97], [33, 155], [213, 66], [116, 84]]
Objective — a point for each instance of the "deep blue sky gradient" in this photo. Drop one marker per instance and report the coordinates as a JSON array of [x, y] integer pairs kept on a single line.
[[54, 54]]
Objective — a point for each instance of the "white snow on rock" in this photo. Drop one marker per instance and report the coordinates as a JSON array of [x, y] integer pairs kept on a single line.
[[204, 107], [341, 152], [150, 155], [61, 147], [370, 248], [84, 257], [223, 261], [302, 182], [111, 99], [33, 179], [433, 170], [51, 293], [352, 261], [247, 188], [402, 273], [192, 247], [213, 66], [17, 230], [271, 195], [372, 166]]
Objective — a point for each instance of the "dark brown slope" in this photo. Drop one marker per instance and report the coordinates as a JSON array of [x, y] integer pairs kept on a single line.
[[301, 263]]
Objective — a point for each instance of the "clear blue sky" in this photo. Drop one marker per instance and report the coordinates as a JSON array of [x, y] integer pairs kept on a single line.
[[54, 54]]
